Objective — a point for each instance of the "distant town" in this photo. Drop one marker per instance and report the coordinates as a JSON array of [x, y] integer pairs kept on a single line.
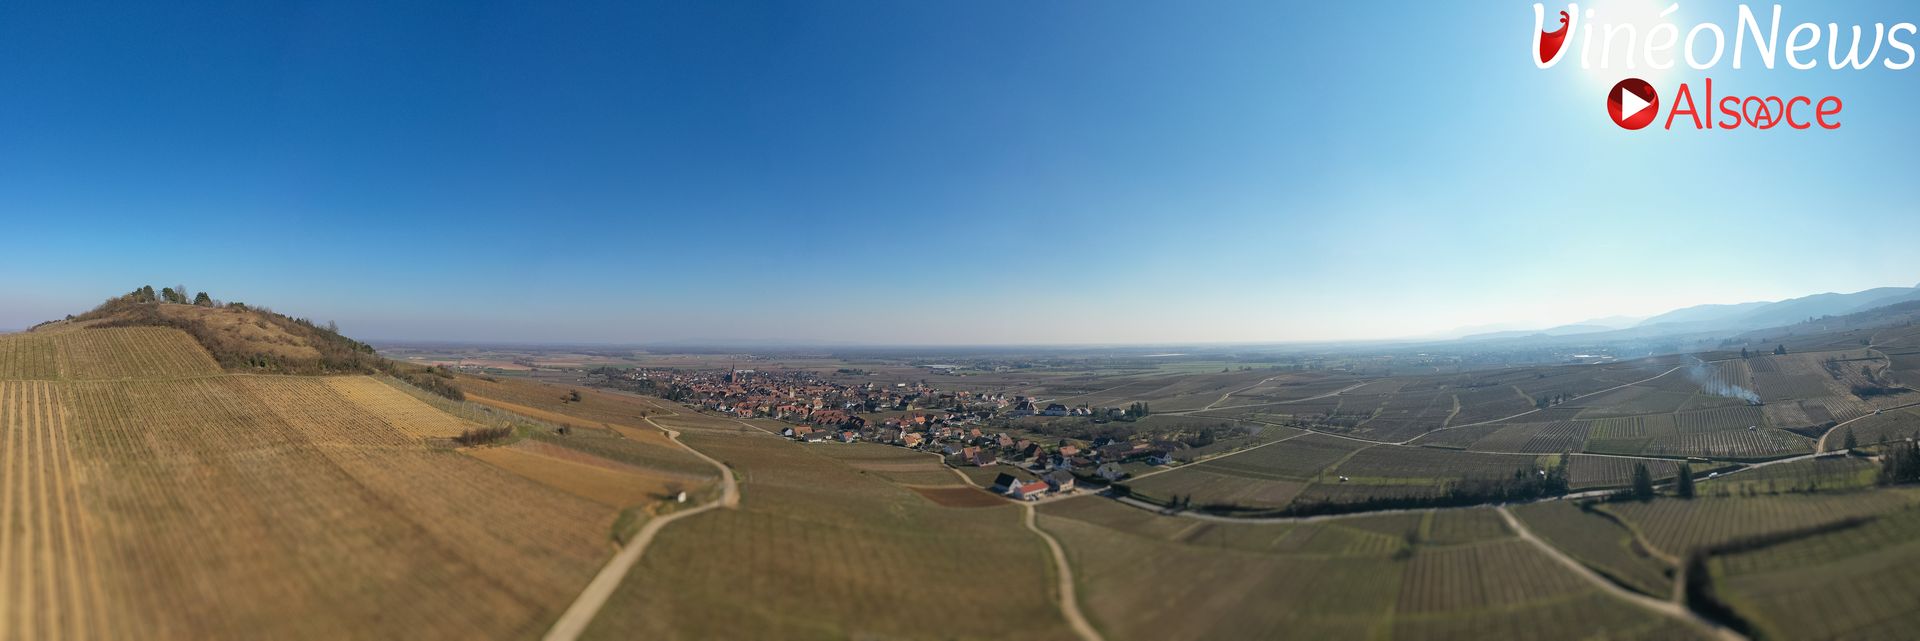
[[966, 429]]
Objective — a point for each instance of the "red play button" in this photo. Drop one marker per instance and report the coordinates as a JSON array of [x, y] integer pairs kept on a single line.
[[1633, 104]]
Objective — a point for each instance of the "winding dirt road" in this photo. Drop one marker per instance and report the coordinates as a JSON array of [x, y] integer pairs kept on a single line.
[[1069, 604], [1668, 608], [588, 604]]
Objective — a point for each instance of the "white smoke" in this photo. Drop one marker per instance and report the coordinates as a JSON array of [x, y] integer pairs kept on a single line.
[[1709, 379]]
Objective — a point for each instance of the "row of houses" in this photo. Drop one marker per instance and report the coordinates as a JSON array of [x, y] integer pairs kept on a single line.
[[1032, 490], [962, 446]]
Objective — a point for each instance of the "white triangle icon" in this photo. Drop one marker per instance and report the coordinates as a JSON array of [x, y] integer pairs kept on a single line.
[[1630, 104]]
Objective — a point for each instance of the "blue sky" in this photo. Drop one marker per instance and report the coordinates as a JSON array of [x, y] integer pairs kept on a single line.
[[911, 172]]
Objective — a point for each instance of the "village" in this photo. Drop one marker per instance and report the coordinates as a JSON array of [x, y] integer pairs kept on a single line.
[[965, 429]]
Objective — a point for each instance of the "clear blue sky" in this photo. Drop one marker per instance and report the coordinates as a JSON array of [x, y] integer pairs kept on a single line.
[[910, 172]]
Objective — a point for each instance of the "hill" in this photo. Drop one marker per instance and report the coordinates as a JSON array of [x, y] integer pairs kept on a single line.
[[246, 338], [1756, 315], [238, 336], [154, 488]]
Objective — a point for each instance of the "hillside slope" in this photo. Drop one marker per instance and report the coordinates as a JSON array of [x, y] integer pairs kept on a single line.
[[238, 337], [147, 494], [243, 338]]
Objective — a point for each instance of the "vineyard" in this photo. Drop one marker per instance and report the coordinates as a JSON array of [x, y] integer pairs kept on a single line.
[[103, 354], [1487, 575], [396, 520], [1714, 420], [1678, 527], [896, 464], [1887, 426], [1301, 458], [1458, 438], [818, 549], [1587, 472], [235, 506], [1732, 444], [1430, 464], [50, 559], [1447, 527], [554, 404], [1536, 438], [1599, 543], [1205, 487], [1446, 575], [1860, 581], [1824, 473]]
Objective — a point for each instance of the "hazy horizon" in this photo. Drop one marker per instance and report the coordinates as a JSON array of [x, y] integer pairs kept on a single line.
[[1004, 174]]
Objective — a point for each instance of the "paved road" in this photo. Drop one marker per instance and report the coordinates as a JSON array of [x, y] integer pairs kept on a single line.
[[1668, 608], [588, 604]]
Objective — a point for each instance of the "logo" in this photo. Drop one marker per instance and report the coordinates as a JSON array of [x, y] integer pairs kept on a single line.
[[1551, 42], [1633, 104], [1639, 40]]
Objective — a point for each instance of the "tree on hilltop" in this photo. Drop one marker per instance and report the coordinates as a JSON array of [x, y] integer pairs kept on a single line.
[[203, 300]]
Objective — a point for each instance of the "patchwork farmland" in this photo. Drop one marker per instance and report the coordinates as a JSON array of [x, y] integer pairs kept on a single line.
[[1431, 576]]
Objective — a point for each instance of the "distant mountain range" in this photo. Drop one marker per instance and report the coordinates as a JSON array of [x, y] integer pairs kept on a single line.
[[1734, 317]]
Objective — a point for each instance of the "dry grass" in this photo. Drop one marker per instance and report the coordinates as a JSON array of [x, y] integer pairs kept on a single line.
[[638, 431], [603, 484], [595, 407], [265, 507], [959, 496]]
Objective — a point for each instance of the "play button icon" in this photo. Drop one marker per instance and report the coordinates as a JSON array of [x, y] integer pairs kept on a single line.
[[1633, 104]]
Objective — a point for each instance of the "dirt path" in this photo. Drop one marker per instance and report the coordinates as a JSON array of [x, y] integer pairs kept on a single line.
[[1221, 455], [1069, 604], [1223, 398], [1668, 608], [1821, 446], [588, 604]]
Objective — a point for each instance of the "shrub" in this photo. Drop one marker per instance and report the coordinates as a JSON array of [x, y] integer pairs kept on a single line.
[[482, 436]]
